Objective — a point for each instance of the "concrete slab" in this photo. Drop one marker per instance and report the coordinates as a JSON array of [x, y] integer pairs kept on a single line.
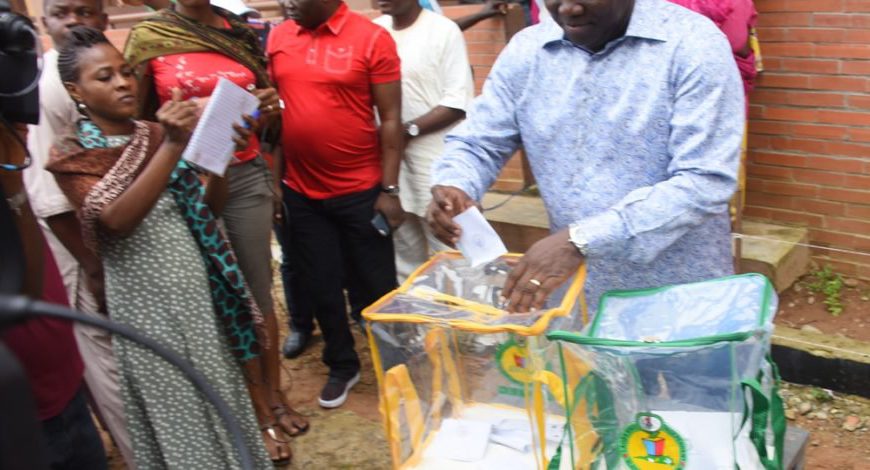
[[823, 345], [827, 361], [794, 454], [776, 251], [520, 220], [519, 209], [773, 250]]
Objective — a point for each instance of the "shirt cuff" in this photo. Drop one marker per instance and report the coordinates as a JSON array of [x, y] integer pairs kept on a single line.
[[461, 184], [381, 78], [44, 208], [454, 103], [605, 234]]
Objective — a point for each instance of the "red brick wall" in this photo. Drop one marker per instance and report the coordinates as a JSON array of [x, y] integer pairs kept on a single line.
[[485, 40], [809, 131]]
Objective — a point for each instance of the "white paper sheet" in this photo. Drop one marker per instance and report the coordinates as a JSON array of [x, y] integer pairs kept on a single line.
[[211, 146], [478, 242], [496, 456], [704, 432], [504, 462], [461, 440]]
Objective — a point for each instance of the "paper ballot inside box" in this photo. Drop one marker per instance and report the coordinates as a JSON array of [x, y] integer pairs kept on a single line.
[[704, 432], [488, 438]]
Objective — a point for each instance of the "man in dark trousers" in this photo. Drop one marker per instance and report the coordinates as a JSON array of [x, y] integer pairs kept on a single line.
[[332, 68]]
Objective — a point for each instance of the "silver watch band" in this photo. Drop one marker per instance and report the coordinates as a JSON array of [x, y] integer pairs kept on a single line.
[[391, 190], [575, 234]]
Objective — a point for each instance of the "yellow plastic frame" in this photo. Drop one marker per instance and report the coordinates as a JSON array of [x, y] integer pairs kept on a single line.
[[397, 390], [573, 293]]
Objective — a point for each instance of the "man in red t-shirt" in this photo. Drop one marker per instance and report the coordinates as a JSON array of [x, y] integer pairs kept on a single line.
[[332, 67]]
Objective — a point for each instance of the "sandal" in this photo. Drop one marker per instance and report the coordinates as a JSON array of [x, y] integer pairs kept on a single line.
[[284, 414], [274, 446]]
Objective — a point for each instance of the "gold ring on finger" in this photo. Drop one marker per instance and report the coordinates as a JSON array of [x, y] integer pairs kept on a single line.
[[535, 282]]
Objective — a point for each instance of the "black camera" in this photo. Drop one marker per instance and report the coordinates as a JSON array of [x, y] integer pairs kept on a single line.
[[19, 61]]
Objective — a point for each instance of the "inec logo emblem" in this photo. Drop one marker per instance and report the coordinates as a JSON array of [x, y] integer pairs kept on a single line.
[[650, 444], [512, 358]]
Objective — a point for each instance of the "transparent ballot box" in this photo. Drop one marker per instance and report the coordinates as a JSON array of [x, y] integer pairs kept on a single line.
[[462, 384], [677, 377]]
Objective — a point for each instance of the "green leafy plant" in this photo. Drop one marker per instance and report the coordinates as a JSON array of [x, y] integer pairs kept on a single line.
[[821, 395], [829, 283]]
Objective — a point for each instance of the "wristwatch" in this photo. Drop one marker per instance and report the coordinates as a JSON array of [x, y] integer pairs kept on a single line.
[[412, 129], [575, 234], [391, 190]]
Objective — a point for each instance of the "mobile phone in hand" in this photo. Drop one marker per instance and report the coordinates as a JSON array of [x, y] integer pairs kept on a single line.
[[379, 222]]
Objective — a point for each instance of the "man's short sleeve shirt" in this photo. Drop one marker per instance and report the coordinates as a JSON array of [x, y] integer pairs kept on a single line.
[[57, 112], [325, 78]]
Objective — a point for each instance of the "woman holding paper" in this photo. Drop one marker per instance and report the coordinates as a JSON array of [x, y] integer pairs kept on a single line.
[[169, 271], [191, 46]]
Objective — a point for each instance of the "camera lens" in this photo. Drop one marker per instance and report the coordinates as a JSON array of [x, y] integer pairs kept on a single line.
[[16, 34]]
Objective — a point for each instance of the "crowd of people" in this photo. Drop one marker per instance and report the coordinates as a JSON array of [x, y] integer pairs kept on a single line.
[[351, 162]]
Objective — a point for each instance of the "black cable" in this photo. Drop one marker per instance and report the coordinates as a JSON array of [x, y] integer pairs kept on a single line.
[[508, 198], [18, 308]]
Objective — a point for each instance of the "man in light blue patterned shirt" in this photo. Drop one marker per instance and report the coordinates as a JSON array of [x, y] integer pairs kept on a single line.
[[631, 113]]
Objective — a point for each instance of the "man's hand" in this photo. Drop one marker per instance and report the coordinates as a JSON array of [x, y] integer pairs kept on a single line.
[[391, 207], [447, 203], [494, 7], [277, 208], [270, 105], [547, 264]]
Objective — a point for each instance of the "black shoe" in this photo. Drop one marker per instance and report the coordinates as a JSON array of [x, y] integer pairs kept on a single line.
[[295, 344], [334, 393]]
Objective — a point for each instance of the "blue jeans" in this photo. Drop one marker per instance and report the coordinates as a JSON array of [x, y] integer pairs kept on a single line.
[[72, 439]]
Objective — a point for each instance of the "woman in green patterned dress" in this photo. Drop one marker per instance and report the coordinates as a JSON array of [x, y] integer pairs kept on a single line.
[[169, 271]]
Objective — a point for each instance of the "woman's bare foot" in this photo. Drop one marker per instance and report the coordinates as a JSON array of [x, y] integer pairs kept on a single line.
[[277, 444], [293, 423]]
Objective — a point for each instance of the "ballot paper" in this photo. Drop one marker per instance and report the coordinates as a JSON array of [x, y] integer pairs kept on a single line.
[[478, 242], [517, 433], [211, 145], [504, 462], [461, 439]]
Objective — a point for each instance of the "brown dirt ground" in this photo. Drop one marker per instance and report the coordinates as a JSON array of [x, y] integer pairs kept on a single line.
[[830, 446], [352, 437], [798, 306]]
